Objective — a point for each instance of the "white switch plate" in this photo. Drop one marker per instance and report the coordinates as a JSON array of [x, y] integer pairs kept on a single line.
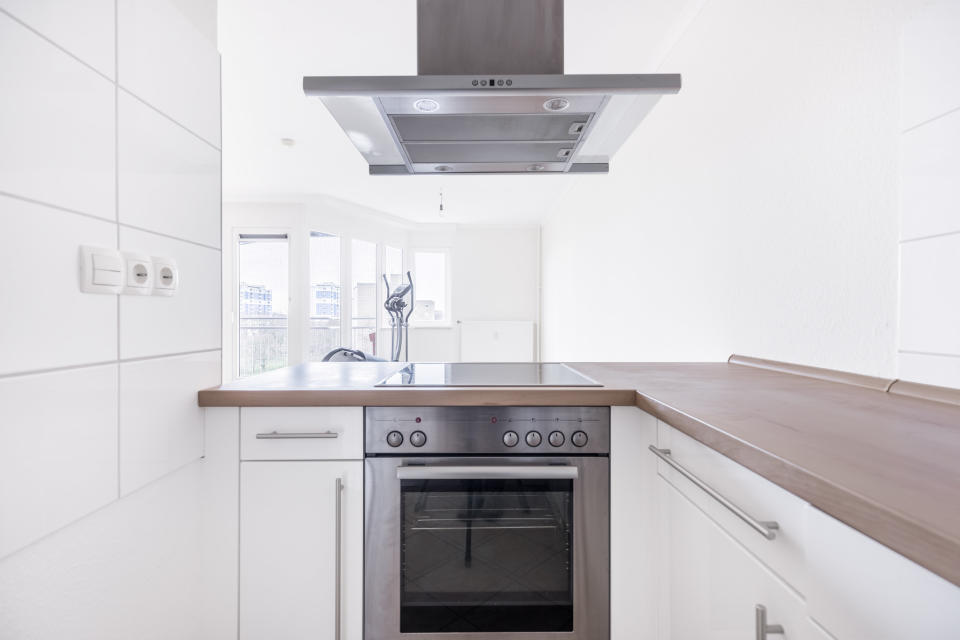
[[166, 276], [101, 270], [138, 274]]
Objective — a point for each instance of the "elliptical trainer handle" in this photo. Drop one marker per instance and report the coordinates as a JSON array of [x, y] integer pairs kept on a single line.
[[413, 299]]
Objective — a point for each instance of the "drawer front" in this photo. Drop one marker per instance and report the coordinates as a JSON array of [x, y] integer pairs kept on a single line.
[[757, 497], [862, 589], [301, 433]]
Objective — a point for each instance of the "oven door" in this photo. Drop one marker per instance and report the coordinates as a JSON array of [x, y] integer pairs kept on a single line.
[[483, 548]]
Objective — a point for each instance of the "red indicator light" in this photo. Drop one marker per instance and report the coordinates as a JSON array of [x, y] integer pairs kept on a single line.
[[418, 420], [493, 419]]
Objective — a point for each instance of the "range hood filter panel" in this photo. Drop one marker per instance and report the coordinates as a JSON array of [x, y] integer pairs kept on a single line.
[[436, 128], [481, 152]]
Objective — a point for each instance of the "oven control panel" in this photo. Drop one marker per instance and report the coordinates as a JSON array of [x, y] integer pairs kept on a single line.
[[487, 430]]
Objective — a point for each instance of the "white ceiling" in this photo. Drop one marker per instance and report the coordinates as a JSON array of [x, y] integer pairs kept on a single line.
[[267, 48]]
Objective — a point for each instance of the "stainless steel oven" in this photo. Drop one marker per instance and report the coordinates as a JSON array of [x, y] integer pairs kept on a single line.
[[487, 523]]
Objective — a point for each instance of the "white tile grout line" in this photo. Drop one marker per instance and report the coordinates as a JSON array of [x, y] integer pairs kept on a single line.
[[97, 510], [933, 119], [116, 68], [931, 236], [104, 363], [168, 117], [116, 205], [52, 42], [107, 220], [929, 353]]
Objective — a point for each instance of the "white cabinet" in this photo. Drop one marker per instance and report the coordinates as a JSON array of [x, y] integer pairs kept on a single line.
[[862, 589], [634, 555], [715, 585], [289, 550], [759, 498]]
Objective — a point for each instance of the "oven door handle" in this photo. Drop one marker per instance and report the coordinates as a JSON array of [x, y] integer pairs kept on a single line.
[[542, 472]]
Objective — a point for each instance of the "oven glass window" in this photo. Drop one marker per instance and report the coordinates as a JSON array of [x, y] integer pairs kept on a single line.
[[486, 556]]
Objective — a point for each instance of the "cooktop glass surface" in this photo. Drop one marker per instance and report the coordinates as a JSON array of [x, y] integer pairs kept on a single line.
[[487, 374]]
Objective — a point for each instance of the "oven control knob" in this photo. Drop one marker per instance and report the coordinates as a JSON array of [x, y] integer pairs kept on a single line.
[[418, 438], [510, 438], [394, 438], [579, 438], [556, 438], [534, 438]]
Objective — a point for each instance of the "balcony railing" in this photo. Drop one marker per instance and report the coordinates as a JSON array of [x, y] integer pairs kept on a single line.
[[263, 345], [264, 341]]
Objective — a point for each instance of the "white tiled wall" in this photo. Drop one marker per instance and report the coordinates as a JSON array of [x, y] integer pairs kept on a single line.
[[159, 415], [182, 81], [58, 450], [56, 125], [98, 407], [930, 198]]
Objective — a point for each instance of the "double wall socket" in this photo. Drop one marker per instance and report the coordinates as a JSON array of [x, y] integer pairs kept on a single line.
[[114, 272]]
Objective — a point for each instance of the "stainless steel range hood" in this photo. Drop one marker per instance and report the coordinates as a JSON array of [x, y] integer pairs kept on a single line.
[[491, 97]]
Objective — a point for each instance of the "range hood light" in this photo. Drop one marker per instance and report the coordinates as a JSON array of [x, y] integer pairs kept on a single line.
[[536, 167], [443, 168], [426, 105], [556, 104]]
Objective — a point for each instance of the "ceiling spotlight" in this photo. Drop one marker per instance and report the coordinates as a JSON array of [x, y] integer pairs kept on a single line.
[[288, 142], [556, 104], [536, 167], [426, 105]]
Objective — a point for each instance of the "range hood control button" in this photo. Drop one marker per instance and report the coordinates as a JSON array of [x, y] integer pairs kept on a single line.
[[510, 438], [534, 438], [394, 438], [418, 438], [579, 438], [556, 438]]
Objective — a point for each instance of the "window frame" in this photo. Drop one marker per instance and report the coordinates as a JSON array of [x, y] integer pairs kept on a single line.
[[298, 229], [236, 234], [447, 322]]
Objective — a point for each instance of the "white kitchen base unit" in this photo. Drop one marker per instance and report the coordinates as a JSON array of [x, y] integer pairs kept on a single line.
[[715, 585], [299, 577]]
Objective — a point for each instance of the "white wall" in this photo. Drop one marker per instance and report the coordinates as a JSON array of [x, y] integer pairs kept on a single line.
[[754, 212], [930, 198], [109, 135]]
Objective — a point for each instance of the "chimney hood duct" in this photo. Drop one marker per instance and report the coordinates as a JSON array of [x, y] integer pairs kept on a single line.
[[490, 97]]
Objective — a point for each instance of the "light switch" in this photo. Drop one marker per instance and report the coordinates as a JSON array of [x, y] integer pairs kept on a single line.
[[107, 278], [101, 270], [138, 272], [166, 276]]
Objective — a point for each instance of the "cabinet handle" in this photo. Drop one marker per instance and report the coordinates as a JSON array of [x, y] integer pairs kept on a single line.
[[765, 528], [339, 547], [762, 627], [282, 435]]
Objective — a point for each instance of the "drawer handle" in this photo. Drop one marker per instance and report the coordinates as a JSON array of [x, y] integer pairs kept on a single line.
[[763, 629], [338, 487], [765, 528], [281, 435]]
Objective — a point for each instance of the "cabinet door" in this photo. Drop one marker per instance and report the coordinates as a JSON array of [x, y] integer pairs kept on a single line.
[[635, 557], [715, 584], [289, 550]]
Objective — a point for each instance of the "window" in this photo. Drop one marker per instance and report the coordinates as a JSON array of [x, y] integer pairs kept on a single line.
[[363, 290], [393, 268], [430, 278], [324, 300], [262, 299]]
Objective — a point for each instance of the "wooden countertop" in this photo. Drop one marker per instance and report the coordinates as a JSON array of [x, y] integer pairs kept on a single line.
[[880, 455]]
